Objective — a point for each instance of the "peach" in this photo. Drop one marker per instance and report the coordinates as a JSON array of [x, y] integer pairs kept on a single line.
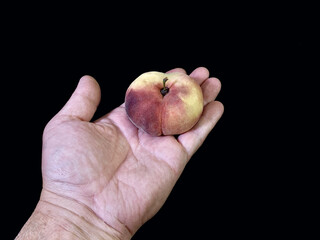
[[164, 103]]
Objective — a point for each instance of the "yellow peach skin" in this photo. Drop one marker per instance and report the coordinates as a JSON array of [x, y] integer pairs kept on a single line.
[[172, 113]]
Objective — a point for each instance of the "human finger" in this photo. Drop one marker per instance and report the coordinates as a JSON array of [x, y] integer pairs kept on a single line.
[[200, 74], [194, 138], [84, 100], [210, 89]]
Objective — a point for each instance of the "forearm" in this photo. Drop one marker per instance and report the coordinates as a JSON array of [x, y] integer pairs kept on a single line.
[[56, 218]]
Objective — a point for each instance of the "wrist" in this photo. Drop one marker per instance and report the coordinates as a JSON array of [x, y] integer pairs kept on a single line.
[[57, 217]]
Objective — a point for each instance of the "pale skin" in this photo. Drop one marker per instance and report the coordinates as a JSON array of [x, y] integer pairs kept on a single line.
[[104, 179]]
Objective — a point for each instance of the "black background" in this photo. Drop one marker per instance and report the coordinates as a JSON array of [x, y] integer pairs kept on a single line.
[[243, 181]]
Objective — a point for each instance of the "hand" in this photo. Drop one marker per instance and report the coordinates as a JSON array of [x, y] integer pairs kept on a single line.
[[122, 174]]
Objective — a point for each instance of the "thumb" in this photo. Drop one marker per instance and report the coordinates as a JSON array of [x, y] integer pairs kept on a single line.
[[84, 101]]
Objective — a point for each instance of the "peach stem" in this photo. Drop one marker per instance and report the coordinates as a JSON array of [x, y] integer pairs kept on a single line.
[[165, 89]]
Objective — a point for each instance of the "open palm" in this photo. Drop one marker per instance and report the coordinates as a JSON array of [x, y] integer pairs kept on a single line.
[[121, 173]]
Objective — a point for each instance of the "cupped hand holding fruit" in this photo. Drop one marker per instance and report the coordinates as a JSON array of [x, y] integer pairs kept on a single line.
[[117, 173]]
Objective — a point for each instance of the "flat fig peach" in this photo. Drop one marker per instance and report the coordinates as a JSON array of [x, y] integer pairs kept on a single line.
[[164, 103]]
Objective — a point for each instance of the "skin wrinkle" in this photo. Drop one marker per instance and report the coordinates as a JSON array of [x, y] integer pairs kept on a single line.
[[111, 132], [141, 144], [163, 160], [59, 223], [134, 191], [119, 189], [168, 166], [64, 118], [117, 182], [132, 187], [94, 213], [80, 231], [116, 219]]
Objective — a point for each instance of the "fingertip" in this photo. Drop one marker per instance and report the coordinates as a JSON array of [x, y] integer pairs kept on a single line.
[[210, 89], [217, 82], [86, 83], [200, 72], [217, 85], [87, 79], [84, 100], [213, 110], [219, 106]]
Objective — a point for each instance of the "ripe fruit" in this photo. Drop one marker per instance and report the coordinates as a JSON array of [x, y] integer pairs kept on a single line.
[[164, 103]]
